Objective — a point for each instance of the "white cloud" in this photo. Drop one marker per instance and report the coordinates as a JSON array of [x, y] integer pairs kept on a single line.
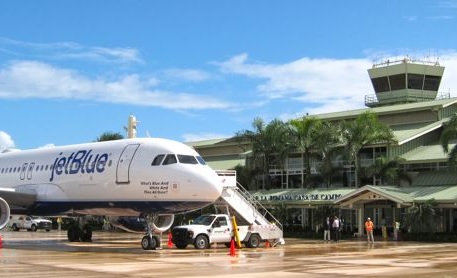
[[322, 85], [6, 142], [310, 81], [188, 74], [30, 79], [449, 82], [71, 50]]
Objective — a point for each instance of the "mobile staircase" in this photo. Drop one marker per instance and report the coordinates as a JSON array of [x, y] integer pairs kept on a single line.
[[236, 201]]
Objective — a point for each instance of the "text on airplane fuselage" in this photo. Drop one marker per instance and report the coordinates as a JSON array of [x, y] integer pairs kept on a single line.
[[82, 161]]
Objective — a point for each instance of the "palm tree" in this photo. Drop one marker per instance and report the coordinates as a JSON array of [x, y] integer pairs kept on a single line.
[[270, 144], [422, 218], [328, 145], [361, 132], [305, 138], [109, 136], [450, 133], [388, 172]]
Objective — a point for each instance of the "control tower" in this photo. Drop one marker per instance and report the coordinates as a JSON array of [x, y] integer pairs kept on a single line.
[[404, 81]]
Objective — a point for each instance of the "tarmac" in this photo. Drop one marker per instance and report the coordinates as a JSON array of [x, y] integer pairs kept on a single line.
[[116, 254]]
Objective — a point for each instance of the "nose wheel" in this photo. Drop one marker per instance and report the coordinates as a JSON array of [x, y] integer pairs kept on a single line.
[[150, 242]]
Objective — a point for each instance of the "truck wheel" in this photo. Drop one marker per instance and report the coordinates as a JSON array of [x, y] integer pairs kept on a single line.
[[33, 228], [201, 242], [254, 241]]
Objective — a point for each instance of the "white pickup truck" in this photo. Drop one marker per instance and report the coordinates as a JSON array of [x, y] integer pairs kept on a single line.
[[30, 223], [217, 228]]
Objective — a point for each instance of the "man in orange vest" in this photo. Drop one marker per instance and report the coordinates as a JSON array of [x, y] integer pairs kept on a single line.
[[369, 228]]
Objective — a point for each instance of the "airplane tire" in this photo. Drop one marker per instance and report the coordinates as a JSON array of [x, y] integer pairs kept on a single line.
[[86, 234], [181, 246], [155, 242], [201, 242], [146, 243], [73, 234], [150, 243]]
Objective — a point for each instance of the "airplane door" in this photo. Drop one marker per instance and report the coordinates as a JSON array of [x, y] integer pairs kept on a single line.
[[30, 171], [23, 170], [123, 165]]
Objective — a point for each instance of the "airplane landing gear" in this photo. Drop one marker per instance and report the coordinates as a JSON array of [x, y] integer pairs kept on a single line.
[[75, 233], [150, 241]]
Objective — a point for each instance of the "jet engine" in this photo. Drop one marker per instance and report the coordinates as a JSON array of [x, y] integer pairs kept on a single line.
[[160, 224], [4, 213], [131, 224]]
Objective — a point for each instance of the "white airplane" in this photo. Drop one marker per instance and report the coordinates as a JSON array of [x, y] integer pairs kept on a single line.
[[152, 177]]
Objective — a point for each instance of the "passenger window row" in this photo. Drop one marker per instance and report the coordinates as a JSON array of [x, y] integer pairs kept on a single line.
[[41, 167], [7, 170], [167, 159]]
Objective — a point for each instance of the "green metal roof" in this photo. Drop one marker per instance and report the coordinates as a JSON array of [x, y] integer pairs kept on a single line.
[[321, 196], [427, 154], [406, 133], [435, 178], [388, 109], [407, 195], [225, 164], [205, 142], [393, 193]]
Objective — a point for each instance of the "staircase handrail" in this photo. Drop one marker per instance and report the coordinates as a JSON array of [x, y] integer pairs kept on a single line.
[[256, 204]]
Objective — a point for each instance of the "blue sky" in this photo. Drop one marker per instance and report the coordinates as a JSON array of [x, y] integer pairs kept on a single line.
[[201, 69]]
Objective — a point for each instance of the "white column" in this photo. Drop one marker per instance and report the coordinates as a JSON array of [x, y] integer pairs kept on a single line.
[[360, 220]]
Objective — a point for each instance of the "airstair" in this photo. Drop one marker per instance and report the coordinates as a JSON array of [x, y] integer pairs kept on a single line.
[[236, 201]]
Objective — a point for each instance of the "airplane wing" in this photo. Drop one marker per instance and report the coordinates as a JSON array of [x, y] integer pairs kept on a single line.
[[20, 199]]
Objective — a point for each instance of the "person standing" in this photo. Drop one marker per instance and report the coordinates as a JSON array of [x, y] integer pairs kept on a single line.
[[327, 229], [396, 229], [59, 223], [369, 226], [336, 229]]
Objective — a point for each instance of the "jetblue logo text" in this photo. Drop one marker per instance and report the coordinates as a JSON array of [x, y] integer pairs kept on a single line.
[[82, 161]]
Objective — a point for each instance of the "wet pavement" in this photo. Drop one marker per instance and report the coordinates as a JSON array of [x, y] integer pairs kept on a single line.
[[41, 254]]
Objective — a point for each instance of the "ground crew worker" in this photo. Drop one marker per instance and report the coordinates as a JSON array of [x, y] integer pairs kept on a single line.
[[59, 223], [369, 226]]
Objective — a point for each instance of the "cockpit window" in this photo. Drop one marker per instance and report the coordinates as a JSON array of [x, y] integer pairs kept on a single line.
[[157, 160], [187, 159], [170, 159], [200, 159]]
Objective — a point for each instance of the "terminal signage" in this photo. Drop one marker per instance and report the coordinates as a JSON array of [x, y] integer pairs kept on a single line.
[[299, 197]]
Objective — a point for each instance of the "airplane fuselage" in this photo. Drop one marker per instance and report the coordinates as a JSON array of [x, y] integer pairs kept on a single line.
[[118, 178]]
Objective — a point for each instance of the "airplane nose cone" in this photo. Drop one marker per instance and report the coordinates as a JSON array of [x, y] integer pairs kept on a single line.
[[216, 184], [213, 184]]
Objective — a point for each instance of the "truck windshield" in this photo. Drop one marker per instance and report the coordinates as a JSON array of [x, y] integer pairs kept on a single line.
[[204, 220]]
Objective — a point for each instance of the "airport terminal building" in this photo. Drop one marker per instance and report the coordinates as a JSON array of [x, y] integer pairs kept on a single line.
[[407, 100]]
